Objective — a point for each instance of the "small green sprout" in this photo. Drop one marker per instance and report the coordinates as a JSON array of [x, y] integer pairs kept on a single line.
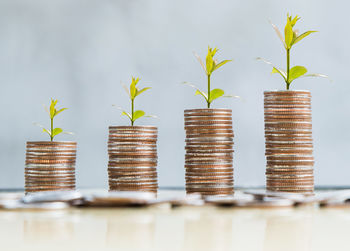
[[210, 66], [53, 112], [133, 92], [291, 37]]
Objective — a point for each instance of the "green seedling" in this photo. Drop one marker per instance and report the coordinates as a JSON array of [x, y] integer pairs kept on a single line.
[[291, 37], [53, 112], [133, 92], [210, 66]]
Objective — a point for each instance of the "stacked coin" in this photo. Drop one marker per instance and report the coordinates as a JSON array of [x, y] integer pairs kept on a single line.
[[132, 162], [209, 151], [50, 166], [289, 146]]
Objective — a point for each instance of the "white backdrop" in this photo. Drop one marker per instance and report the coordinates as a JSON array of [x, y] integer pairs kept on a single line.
[[79, 51]]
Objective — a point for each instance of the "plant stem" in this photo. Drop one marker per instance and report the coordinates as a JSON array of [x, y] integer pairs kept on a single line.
[[288, 66], [132, 112], [51, 132], [208, 101]]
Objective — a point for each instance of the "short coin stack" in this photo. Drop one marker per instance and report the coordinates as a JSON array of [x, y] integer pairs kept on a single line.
[[50, 166], [132, 162], [209, 151], [289, 146]]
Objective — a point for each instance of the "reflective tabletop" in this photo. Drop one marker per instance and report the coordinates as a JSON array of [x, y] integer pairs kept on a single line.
[[184, 228]]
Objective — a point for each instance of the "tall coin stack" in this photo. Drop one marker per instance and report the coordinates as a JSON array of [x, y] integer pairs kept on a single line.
[[289, 147], [132, 162], [209, 151], [50, 166]]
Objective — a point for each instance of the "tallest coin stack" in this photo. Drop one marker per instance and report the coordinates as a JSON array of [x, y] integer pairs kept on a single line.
[[288, 141], [209, 151]]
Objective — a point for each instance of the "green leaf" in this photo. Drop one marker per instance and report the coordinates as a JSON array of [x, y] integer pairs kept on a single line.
[[138, 92], [47, 131], [288, 33], [216, 93], [275, 69], [56, 131], [209, 62], [305, 34], [132, 90], [52, 108], [60, 110], [295, 19], [138, 114], [279, 34], [198, 91], [217, 66], [136, 81], [127, 114], [280, 71], [204, 94], [296, 72]]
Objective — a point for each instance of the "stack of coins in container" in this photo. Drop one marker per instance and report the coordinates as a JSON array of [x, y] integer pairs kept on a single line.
[[289, 147], [132, 162], [209, 151], [50, 166]]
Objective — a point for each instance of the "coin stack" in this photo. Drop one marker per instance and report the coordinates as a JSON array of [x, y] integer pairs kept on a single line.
[[50, 166], [209, 151], [289, 147], [132, 162]]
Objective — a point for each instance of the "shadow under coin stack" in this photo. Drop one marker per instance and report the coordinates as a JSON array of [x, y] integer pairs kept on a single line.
[[132, 162], [209, 151], [50, 166], [289, 146]]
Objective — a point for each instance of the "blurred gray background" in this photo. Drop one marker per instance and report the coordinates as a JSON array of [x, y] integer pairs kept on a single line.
[[79, 52]]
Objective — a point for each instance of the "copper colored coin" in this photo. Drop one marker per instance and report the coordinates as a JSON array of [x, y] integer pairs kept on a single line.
[[206, 127], [131, 172], [207, 118], [133, 128], [208, 166], [291, 157], [286, 180], [116, 186], [45, 188], [131, 166], [290, 173], [209, 130], [208, 110], [287, 93], [209, 190], [207, 115], [214, 180]]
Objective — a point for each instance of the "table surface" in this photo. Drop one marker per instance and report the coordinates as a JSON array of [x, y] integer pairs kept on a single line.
[[184, 228]]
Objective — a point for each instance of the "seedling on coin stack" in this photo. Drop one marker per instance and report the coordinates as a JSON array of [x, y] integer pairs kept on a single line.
[[211, 65], [133, 92], [291, 38], [50, 165], [53, 112], [288, 125], [209, 139], [132, 150]]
